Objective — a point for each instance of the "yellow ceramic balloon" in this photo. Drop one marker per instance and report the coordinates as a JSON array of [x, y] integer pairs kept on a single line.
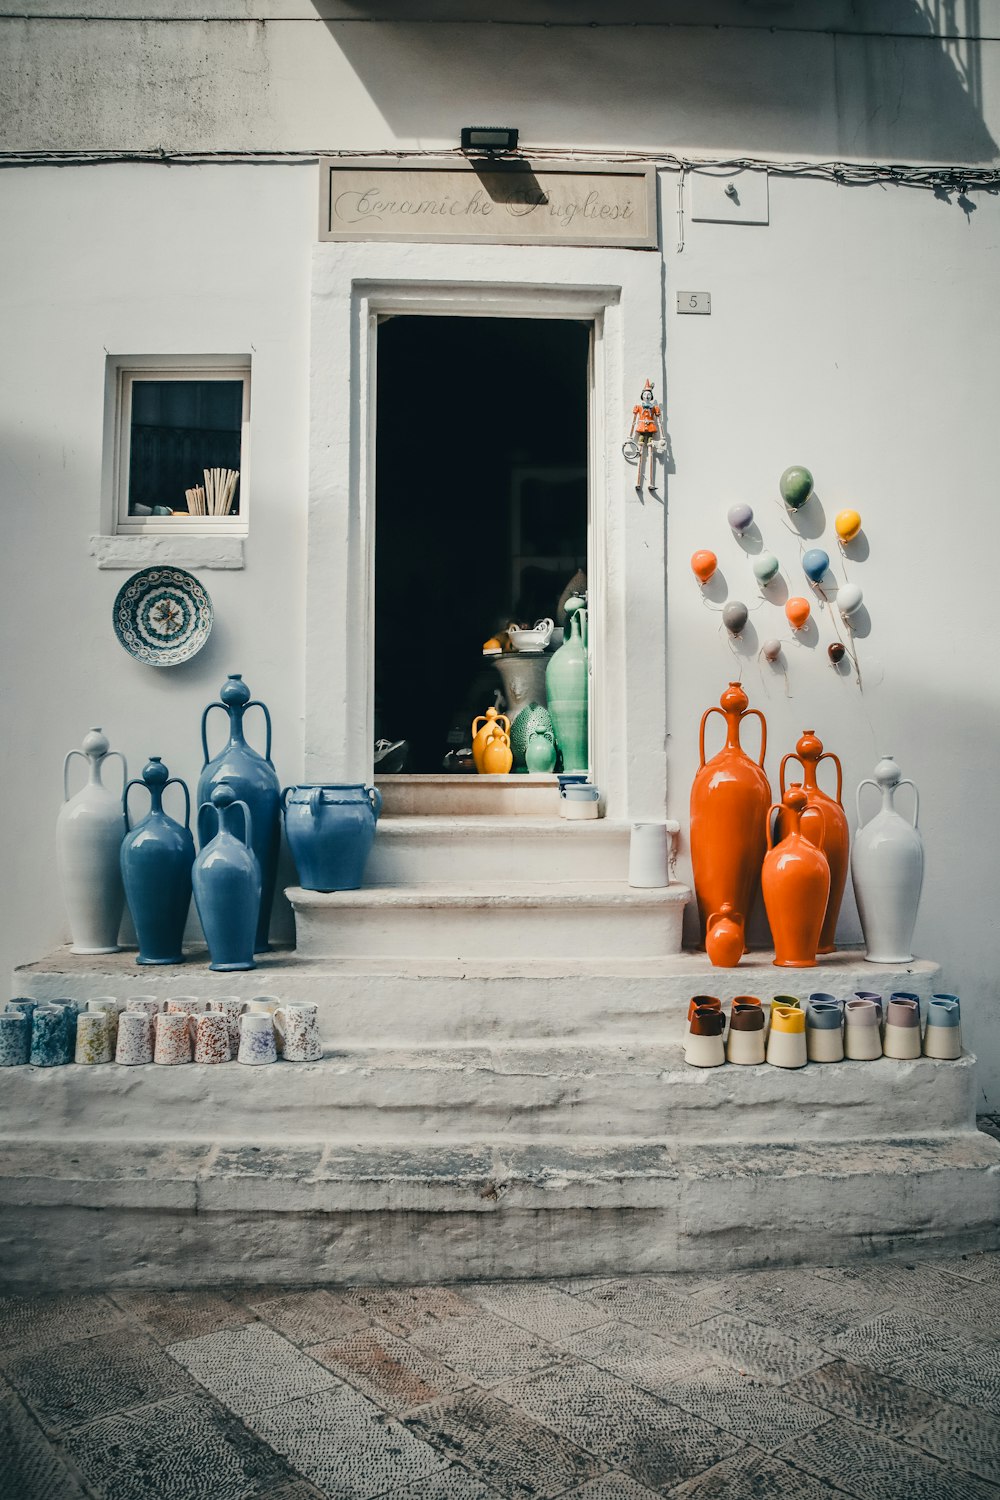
[[848, 524]]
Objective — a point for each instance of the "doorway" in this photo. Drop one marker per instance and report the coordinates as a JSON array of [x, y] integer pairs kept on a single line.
[[481, 513]]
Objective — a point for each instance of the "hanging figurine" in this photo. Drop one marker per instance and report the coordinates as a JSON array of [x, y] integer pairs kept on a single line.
[[645, 438]]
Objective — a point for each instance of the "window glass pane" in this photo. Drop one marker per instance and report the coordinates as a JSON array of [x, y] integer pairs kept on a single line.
[[180, 428]]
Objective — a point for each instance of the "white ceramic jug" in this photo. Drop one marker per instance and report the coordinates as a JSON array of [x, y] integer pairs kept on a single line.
[[887, 866], [89, 833]]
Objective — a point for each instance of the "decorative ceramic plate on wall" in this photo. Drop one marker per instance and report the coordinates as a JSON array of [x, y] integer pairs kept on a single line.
[[162, 616]]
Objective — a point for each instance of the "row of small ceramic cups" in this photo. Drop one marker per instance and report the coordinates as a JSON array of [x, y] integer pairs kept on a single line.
[[828, 1030], [138, 1030]]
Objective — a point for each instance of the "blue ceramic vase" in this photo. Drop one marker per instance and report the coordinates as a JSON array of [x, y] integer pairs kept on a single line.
[[227, 883], [254, 781], [157, 855], [330, 831]]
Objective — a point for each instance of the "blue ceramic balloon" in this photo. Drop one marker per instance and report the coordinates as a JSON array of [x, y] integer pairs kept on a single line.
[[740, 517], [815, 563], [765, 565]]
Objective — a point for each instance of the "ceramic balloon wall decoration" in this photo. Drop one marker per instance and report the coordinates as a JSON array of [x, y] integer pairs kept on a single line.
[[847, 525], [771, 650], [703, 565], [815, 563], [836, 651], [740, 518], [734, 616], [765, 567], [797, 612], [796, 485], [849, 599]]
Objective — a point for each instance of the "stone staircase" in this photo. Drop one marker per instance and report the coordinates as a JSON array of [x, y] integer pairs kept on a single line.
[[503, 1092]]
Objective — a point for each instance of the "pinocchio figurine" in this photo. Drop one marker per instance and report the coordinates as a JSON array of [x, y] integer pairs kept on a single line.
[[645, 438]]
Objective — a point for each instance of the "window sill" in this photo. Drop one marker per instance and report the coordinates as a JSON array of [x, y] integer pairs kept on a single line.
[[138, 551]]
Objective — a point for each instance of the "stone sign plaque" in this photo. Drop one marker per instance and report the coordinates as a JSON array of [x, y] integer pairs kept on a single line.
[[493, 202]]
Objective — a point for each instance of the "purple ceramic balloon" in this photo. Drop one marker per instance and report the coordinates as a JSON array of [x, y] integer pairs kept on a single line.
[[734, 616], [772, 650], [739, 517]]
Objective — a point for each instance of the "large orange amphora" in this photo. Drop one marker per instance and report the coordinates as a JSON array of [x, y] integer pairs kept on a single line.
[[730, 796], [795, 882], [836, 838]]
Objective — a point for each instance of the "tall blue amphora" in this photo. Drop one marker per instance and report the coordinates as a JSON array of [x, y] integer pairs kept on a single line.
[[156, 859], [227, 884], [254, 781]]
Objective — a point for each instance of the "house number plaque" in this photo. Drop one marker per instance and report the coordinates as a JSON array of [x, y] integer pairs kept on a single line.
[[500, 202]]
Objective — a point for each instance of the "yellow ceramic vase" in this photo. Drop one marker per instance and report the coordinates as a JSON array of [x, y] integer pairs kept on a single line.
[[482, 728], [497, 754]]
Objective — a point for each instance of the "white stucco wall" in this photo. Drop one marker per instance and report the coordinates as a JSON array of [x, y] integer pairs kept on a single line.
[[856, 333]]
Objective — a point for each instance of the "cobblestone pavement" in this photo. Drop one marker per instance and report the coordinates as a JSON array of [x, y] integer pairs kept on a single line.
[[879, 1381]]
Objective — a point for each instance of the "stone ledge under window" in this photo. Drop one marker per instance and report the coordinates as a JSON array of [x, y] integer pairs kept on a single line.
[[176, 551]]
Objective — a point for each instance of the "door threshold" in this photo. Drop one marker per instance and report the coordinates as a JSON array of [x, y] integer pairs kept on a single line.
[[465, 794]]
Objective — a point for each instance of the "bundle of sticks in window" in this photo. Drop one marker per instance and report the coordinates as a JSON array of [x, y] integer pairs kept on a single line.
[[215, 496]]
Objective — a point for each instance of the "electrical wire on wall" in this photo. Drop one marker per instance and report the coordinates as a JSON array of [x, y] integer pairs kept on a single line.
[[944, 179]]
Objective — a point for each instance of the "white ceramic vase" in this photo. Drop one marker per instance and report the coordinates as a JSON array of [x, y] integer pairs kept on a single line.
[[887, 866], [89, 833]]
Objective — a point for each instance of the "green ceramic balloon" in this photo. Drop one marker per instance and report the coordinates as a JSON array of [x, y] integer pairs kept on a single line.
[[796, 485]]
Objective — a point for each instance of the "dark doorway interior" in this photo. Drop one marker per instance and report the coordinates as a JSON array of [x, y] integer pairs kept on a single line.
[[481, 509]]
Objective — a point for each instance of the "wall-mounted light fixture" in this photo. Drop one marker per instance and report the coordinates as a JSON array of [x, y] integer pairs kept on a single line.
[[488, 138]]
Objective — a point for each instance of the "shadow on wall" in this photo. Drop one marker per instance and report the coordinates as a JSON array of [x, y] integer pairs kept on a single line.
[[781, 76]]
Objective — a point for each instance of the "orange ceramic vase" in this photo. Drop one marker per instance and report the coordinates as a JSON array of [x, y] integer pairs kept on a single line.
[[724, 936], [729, 800], [796, 884], [836, 840]]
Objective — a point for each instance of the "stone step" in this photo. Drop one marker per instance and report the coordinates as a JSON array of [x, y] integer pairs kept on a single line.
[[491, 922], [427, 1001], [121, 1213], [468, 795], [438, 850], [540, 1090]]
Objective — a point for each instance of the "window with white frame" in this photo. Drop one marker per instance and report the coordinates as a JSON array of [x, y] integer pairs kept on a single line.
[[181, 445]]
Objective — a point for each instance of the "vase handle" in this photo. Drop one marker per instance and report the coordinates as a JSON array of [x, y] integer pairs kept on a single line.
[[207, 807], [204, 722], [784, 761], [769, 825], [829, 755], [177, 781], [125, 791], [701, 735], [857, 797], [916, 798], [247, 823], [69, 757], [375, 798], [315, 800], [283, 799], [815, 812], [476, 724], [747, 712], [256, 703]]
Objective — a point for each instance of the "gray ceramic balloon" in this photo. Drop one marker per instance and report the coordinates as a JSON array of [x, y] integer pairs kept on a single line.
[[734, 616]]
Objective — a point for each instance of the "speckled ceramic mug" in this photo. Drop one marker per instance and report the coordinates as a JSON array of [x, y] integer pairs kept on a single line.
[[256, 1039], [15, 1039], [188, 1005], [297, 1027], [211, 1040], [23, 1008], [109, 1006], [52, 1040], [135, 1038], [266, 1005], [70, 1010], [230, 1006], [172, 1032], [93, 1038], [147, 1005]]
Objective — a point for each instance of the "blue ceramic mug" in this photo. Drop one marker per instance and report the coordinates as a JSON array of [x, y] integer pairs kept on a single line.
[[15, 1039], [52, 1043]]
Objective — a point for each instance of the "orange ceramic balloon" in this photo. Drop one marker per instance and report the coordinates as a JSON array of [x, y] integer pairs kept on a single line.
[[703, 565], [836, 838], [724, 937], [848, 524], [797, 612], [729, 798], [796, 885]]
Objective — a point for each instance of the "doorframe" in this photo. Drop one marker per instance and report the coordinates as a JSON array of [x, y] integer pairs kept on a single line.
[[619, 293]]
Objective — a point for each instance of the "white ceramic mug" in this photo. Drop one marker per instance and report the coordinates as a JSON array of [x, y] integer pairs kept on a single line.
[[257, 1041], [265, 1005], [648, 856], [297, 1028]]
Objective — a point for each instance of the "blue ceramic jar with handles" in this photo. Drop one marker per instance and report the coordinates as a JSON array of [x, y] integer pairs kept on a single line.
[[227, 882], [330, 830], [254, 781], [156, 859]]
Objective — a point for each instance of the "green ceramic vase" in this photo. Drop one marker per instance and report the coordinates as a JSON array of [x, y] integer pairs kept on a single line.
[[567, 689]]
